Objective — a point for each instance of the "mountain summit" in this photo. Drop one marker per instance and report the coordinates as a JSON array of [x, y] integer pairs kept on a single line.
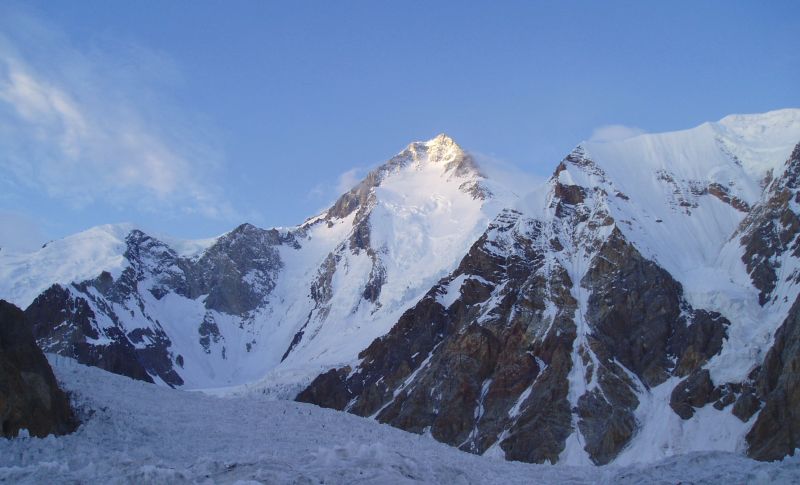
[[432, 163]]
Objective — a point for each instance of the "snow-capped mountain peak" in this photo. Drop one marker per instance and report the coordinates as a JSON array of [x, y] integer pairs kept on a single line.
[[437, 162]]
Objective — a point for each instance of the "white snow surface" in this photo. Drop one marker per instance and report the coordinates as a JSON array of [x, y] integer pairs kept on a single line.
[[23, 276], [133, 432]]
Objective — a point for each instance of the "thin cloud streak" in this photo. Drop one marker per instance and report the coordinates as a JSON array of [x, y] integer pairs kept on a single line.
[[87, 138], [348, 180], [330, 191], [607, 133]]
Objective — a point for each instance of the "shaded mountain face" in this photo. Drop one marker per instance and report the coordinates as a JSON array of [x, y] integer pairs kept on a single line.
[[30, 398], [639, 304], [114, 322]]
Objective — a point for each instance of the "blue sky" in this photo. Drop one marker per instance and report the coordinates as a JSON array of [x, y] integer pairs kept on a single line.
[[188, 118]]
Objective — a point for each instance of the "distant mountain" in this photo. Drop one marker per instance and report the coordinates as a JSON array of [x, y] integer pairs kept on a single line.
[[640, 303]]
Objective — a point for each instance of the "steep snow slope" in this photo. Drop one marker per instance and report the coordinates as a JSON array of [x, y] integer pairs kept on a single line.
[[230, 309], [135, 433]]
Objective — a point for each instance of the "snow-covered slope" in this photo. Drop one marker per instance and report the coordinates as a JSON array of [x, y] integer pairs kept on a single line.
[[83, 256], [134, 433], [231, 309]]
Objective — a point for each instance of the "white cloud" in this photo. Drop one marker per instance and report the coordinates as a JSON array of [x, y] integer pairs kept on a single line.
[[347, 180], [507, 174], [83, 127], [615, 133], [329, 191]]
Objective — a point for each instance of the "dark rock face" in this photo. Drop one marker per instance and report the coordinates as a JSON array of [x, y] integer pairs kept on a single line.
[[29, 394], [441, 371], [746, 406], [722, 193], [66, 325], [776, 432], [209, 332], [693, 345], [632, 321], [693, 392], [638, 320], [606, 417], [239, 271], [771, 229]]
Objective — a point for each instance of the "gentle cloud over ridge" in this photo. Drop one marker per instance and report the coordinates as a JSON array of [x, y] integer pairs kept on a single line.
[[615, 133]]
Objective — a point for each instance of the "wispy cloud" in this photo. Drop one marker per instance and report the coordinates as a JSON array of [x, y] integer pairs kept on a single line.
[[80, 126], [508, 175], [615, 133], [331, 190], [348, 180]]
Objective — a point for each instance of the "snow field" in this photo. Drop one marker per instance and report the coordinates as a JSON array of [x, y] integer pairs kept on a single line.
[[134, 432]]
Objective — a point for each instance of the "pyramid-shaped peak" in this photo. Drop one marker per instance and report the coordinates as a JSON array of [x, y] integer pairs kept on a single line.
[[443, 145], [442, 139], [442, 155], [441, 148]]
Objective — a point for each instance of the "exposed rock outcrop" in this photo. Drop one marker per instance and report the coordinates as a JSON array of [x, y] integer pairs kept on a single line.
[[641, 325], [771, 229], [29, 394], [65, 324], [776, 432]]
